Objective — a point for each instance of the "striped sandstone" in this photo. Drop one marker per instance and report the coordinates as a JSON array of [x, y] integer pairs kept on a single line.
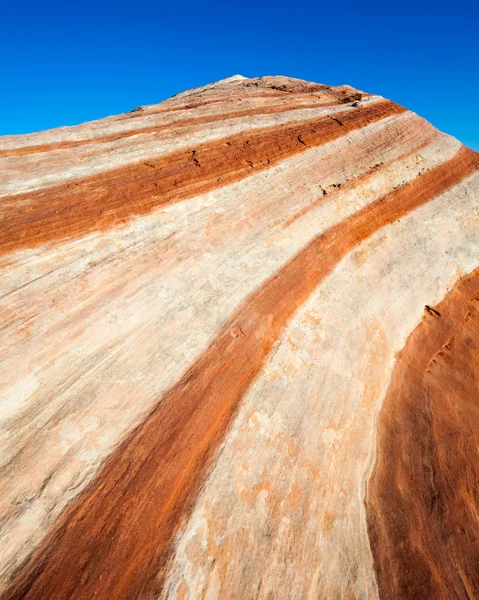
[[226, 356]]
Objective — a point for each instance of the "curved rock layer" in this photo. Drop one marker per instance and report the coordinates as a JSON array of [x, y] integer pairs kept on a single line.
[[201, 305], [423, 495]]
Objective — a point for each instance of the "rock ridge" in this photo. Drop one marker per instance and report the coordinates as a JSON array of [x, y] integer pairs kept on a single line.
[[238, 351]]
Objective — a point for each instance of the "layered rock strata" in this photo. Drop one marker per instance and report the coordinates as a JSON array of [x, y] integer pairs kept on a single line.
[[238, 351]]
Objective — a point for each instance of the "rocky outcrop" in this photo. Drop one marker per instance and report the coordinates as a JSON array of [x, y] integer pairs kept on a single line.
[[238, 351]]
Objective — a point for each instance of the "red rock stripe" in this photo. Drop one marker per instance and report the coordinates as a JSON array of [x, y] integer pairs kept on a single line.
[[255, 91], [338, 96], [113, 541], [108, 199], [173, 127], [424, 492], [169, 105], [361, 179]]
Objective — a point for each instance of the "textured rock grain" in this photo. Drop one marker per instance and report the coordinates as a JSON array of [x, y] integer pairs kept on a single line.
[[203, 307]]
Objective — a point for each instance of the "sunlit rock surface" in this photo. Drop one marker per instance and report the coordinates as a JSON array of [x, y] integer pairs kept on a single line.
[[239, 352]]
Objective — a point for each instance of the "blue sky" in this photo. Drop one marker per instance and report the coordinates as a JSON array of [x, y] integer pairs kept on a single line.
[[65, 63]]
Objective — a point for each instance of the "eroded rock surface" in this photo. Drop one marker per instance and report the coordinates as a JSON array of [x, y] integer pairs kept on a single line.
[[232, 365]]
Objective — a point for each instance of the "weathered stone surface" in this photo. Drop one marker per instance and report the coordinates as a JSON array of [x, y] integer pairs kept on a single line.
[[202, 303]]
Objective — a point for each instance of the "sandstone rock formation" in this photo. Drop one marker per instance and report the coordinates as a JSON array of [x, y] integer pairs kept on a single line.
[[239, 352]]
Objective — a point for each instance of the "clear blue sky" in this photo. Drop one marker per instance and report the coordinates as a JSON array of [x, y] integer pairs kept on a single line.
[[64, 63]]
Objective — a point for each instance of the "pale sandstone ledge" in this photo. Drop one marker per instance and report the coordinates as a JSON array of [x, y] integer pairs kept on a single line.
[[201, 306]]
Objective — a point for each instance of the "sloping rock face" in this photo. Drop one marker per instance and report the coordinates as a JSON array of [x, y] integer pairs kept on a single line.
[[239, 352]]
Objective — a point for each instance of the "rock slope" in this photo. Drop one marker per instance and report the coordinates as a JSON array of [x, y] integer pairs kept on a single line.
[[239, 352]]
